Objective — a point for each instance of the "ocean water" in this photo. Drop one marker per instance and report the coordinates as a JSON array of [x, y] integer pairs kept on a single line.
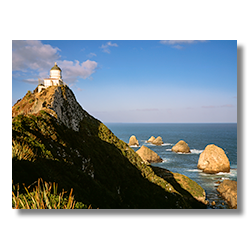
[[198, 136]]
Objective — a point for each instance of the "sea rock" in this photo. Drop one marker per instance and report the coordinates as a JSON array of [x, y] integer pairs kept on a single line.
[[133, 141], [213, 160], [158, 141], [181, 147], [228, 190], [148, 155], [152, 138]]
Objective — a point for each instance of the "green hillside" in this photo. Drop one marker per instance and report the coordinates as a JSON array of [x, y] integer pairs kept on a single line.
[[103, 171]]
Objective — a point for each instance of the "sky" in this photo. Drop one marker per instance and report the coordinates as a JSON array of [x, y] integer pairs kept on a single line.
[[147, 81]]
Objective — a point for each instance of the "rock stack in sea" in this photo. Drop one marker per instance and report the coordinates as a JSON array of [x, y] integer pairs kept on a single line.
[[152, 138], [181, 147], [228, 190], [148, 155], [213, 160], [156, 141], [133, 141]]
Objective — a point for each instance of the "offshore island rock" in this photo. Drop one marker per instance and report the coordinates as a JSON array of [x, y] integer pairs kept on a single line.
[[213, 160], [228, 190], [152, 138], [158, 141], [148, 155], [133, 141], [181, 147]]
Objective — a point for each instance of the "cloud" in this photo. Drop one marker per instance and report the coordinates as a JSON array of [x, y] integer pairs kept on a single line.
[[91, 55], [73, 70], [220, 106], [147, 109], [176, 43], [33, 55], [226, 106], [208, 107], [105, 47], [35, 59], [178, 46]]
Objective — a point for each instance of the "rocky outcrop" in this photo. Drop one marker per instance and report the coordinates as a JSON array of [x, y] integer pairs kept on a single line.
[[181, 147], [133, 141], [158, 141], [152, 138], [67, 108], [59, 101], [213, 160], [148, 155], [228, 190]]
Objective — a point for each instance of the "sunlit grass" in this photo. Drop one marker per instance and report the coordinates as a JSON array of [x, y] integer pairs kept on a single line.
[[44, 196]]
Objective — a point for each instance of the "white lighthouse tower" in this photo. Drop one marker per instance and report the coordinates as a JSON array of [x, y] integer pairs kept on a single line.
[[55, 78]]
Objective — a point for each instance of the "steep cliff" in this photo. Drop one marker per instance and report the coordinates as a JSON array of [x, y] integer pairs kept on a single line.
[[55, 139]]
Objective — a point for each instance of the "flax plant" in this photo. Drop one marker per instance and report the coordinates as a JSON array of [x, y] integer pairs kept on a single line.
[[43, 196], [21, 151]]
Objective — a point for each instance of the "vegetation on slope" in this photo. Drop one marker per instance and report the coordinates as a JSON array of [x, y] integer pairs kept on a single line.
[[44, 196], [103, 170]]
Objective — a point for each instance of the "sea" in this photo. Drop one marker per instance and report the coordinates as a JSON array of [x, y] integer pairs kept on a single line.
[[197, 136]]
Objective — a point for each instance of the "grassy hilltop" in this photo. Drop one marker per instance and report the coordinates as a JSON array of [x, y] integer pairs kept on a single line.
[[53, 138]]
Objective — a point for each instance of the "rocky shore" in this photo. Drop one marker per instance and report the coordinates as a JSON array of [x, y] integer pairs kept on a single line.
[[228, 190], [212, 160]]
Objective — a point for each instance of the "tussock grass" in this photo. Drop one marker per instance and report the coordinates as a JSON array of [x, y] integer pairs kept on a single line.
[[44, 196], [21, 151]]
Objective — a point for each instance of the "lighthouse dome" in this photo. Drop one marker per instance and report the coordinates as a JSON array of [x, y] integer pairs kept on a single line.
[[56, 72]]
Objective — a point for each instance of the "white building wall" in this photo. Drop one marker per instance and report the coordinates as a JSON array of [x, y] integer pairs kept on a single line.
[[55, 74]]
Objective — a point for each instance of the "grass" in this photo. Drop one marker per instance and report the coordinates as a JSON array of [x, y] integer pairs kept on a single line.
[[93, 161], [44, 196]]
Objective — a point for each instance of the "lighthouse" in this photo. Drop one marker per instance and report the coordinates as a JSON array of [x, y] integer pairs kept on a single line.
[[55, 78]]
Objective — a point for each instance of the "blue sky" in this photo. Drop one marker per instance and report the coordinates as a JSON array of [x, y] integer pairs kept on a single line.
[[137, 81]]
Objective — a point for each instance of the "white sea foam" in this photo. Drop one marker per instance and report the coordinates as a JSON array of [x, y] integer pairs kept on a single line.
[[193, 151], [194, 170], [134, 146], [167, 144], [196, 151], [165, 160]]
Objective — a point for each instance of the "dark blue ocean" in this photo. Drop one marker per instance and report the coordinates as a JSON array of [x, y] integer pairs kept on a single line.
[[197, 136]]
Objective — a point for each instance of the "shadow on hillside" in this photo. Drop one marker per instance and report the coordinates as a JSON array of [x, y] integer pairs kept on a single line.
[[169, 177], [109, 180]]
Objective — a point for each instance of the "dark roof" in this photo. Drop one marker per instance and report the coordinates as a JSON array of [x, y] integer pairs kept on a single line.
[[55, 67]]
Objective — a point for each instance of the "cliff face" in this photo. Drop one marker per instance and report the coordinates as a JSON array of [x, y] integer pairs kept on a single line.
[[55, 139], [58, 101]]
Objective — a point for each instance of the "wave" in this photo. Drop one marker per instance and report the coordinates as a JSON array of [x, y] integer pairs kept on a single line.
[[134, 146], [164, 160], [233, 172], [193, 151], [194, 170], [164, 144], [196, 151]]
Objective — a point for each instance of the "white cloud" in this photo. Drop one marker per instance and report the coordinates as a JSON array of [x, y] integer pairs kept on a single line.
[[221, 106], [172, 42], [72, 70], [177, 46], [91, 55], [176, 43], [33, 56], [105, 47]]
